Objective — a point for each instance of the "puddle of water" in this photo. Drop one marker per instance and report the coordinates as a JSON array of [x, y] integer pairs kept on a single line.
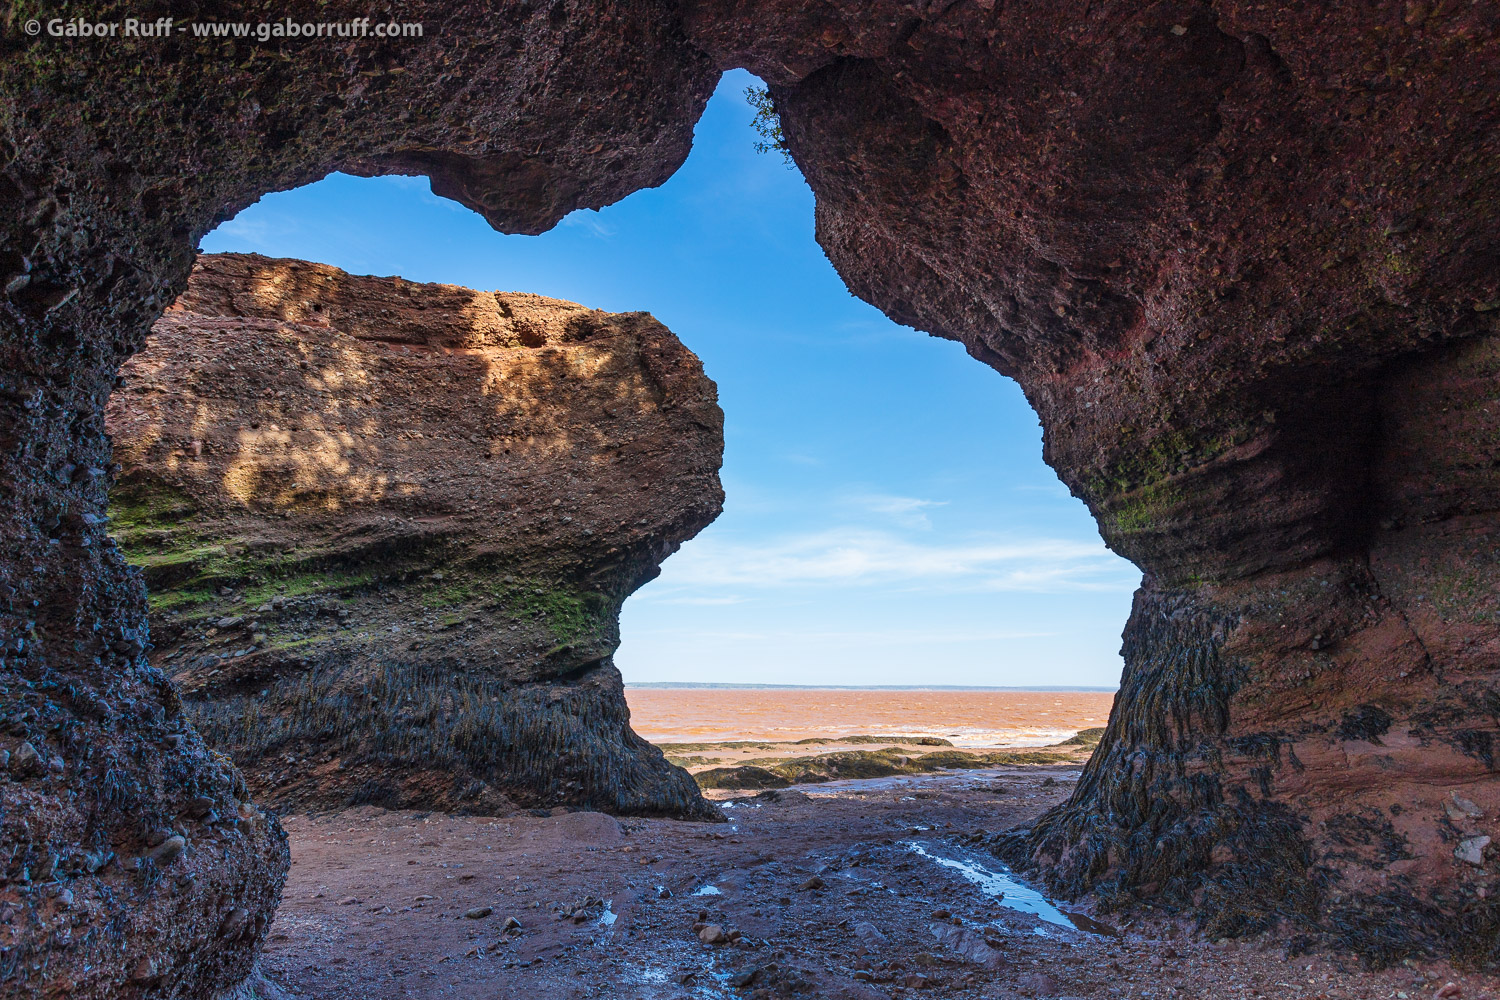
[[606, 924], [711, 982], [1007, 890], [968, 778], [708, 890]]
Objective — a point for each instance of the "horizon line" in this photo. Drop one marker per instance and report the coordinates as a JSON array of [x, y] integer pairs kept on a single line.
[[871, 687]]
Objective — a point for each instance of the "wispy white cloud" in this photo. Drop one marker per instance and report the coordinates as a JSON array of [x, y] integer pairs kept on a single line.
[[588, 220], [910, 512], [860, 637], [255, 230], [852, 557]]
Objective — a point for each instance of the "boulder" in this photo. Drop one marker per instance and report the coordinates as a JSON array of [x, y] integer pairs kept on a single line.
[[441, 496]]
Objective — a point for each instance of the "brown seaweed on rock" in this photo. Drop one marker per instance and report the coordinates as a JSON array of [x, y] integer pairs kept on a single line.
[[1241, 257]]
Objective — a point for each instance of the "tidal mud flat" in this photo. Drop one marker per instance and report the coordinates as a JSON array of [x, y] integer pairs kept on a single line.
[[667, 713], [859, 889], [726, 769]]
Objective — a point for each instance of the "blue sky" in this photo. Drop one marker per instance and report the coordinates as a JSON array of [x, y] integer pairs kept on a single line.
[[889, 519]]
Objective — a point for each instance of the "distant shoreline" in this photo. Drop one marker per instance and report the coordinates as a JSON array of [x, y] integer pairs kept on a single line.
[[860, 687]]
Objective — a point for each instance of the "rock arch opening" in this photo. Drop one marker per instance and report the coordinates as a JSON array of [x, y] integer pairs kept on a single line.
[[355, 499], [1181, 227]]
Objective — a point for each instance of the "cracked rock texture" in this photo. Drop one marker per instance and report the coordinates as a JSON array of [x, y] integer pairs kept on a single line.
[[387, 528], [1241, 257]]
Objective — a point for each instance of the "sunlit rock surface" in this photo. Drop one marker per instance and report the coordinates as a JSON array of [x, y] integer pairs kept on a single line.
[[387, 528]]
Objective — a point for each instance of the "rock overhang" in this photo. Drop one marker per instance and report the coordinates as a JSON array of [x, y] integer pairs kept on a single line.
[[1240, 257], [337, 484]]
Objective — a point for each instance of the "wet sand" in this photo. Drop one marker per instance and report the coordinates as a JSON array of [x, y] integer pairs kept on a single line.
[[700, 757], [714, 728], [861, 889]]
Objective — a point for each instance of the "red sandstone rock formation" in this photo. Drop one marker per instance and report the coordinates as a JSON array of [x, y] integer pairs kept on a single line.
[[387, 528], [1240, 256], [1243, 262]]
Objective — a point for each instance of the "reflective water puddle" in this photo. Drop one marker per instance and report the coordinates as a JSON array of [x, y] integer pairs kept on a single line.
[[1006, 889]]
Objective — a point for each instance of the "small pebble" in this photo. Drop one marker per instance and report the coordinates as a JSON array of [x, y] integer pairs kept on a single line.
[[168, 850], [25, 759]]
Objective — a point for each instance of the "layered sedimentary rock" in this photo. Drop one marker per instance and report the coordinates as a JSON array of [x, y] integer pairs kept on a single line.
[[1240, 256], [1243, 261], [387, 528], [117, 155]]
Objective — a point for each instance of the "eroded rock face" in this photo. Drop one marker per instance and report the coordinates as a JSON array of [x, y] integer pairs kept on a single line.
[[1240, 256], [117, 157], [387, 528], [1242, 261]]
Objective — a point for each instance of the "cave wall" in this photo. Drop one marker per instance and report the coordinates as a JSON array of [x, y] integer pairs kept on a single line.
[[1242, 259], [1240, 256], [117, 157], [387, 527]]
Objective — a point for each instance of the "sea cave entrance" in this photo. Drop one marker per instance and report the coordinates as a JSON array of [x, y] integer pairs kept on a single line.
[[1241, 259], [388, 525]]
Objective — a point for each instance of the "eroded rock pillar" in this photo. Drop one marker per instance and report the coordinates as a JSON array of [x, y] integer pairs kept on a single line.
[[1241, 260], [388, 527], [134, 857]]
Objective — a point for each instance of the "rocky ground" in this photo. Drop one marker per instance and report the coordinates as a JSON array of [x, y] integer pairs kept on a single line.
[[859, 889]]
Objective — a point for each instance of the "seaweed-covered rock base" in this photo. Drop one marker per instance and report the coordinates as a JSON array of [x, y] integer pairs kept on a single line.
[[387, 528], [1288, 756]]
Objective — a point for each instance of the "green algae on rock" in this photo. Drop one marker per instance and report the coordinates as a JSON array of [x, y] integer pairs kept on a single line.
[[783, 772], [387, 529]]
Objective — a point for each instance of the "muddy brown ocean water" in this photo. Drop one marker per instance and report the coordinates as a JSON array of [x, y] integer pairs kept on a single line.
[[966, 718]]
